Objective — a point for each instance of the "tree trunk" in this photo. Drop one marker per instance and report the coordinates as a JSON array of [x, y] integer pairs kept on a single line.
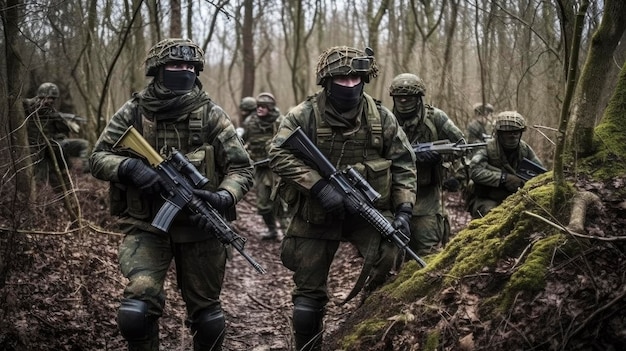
[[593, 78]]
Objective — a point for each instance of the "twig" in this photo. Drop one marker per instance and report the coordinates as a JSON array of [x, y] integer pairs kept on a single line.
[[592, 316], [564, 229]]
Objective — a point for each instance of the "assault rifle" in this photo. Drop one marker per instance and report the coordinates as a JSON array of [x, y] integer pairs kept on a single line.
[[358, 193], [181, 178], [446, 147], [528, 169]]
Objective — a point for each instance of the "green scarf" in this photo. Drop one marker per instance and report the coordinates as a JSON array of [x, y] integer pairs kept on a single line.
[[159, 103]]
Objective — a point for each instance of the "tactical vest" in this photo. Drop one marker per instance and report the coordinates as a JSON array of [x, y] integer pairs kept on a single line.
[[361, 150], [426, 132], [259, 133], [184, 135]]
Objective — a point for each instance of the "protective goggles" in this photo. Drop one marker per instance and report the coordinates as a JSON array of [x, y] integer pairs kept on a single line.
[[184, 53]]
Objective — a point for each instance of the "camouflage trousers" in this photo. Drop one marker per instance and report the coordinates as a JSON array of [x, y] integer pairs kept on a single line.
[[263, 181], [145, 258], [428, 232], [310, 257]]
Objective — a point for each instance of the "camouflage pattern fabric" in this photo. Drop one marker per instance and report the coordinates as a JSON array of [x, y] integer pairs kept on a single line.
[[257, 134], [429, 215], [313, 236], [486, 167], [146, 252]]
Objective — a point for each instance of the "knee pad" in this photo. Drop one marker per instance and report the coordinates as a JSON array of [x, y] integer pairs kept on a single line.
[[209, 328], [308, 315], [133, 321]]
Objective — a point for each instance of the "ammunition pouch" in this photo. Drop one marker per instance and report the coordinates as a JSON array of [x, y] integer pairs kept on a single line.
[[378, 175]]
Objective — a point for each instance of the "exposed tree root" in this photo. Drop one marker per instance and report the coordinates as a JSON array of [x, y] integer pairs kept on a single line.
[[580, 203]]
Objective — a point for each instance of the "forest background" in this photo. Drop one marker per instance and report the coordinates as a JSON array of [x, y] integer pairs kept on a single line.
[[512, 54], [556, 62]]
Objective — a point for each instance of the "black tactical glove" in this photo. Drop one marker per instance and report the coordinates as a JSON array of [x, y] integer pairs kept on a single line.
[[200, 222], [427, 156], [451, 184], [331, 199], [221, 200], [404, 212], [134, 171], [511, 182]]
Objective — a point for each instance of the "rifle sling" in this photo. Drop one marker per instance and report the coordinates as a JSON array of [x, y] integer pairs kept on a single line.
[[368, 264]]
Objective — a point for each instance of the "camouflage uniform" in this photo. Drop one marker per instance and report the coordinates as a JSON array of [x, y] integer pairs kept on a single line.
[[422, 124], [192, 124], [365, 136], [45, 122], [258, 130], [490, 166], [477, 129]]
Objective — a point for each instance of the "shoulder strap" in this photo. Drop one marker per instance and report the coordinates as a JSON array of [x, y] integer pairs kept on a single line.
[[428, 121]]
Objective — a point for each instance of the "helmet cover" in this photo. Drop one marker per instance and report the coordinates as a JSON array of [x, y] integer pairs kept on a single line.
[[405, 84], [174, 50], [346, 61], [509, 121], [48, 90]]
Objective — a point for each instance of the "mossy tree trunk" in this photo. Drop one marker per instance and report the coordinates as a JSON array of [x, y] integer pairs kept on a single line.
[[610, 136], [594, 80]]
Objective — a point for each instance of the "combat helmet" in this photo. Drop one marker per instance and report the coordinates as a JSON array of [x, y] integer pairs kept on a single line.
[[174, 50], [266, 99], [407, 84], [47, 90], [248, 103], [481, 109], [344, 61], [509, 121]]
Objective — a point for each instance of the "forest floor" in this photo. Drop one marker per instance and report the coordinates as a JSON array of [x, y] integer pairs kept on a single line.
[[62, 285]]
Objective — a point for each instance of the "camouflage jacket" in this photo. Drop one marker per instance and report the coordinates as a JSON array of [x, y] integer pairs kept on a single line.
[[258, 132], [394, 156], [53, 125], [230, 168], [435, 126], [488, 164]]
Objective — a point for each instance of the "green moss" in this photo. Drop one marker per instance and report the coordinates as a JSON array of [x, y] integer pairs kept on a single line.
[[432, 341], [530, 276], [363, 332]]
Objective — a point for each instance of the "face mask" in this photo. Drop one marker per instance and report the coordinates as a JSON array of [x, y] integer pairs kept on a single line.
[[509, 140], [345, 98], [406, 105], [180, 82]]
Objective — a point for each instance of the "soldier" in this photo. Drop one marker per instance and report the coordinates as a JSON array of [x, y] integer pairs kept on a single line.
[[45, 122], [423, 123], [493, 169], [478, 129], [351, 129], [259, 128], [173, 112], [246, 107]]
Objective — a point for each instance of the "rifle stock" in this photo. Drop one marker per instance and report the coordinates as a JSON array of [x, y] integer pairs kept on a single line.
[[181, 178], [358, 193]]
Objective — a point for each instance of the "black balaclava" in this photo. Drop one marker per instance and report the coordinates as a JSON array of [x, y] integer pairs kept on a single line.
[[344, 98], [179, 82], [413, 107]]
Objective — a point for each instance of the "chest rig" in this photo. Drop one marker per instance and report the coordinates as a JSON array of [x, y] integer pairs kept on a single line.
[[364, 145], [424, 132], [258, 135]]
